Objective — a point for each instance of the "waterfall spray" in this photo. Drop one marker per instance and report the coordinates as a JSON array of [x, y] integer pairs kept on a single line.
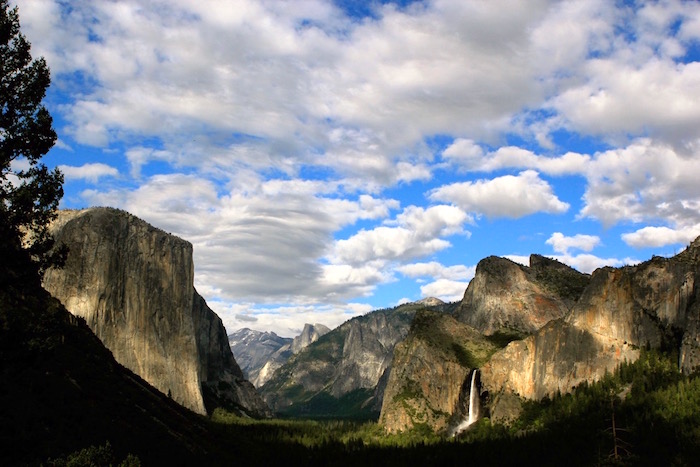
[[473, 414]]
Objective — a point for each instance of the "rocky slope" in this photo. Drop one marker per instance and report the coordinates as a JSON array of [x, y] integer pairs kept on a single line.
[[133, 284], [656, 304], [430, 369], [345, 371], [261, 353], [507, 297]]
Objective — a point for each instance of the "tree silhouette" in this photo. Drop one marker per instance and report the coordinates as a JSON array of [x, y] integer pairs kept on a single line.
[[29, 191]]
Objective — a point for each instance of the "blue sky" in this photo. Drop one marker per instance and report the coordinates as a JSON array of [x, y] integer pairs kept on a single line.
[[326, 159]]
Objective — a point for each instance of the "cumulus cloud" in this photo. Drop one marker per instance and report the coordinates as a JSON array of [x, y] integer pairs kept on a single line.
[[657, 236], [363, 93], [285, 321], [635, 85], [92, 171], [508, 196], [437, 270], [414, 233], [642, 182], [520, 259], [658, 98], [562, 244], [469, 156]]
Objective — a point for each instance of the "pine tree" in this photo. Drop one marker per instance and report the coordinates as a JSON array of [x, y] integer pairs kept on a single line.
[[29, 191]]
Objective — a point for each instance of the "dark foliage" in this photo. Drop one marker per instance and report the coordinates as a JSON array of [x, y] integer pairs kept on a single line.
[[29, 191]]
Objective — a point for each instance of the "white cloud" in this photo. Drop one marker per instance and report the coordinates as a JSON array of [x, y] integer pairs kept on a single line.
[[416, 232], [444, 289], [645, 181], [508, 196], [520, 259], [562, 244], [91, 171], [291, 76], [652, 236], [437, 270], [632, 83], [471, 157], [659, 98]]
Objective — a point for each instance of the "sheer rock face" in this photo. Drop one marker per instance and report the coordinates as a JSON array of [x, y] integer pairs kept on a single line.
[[430, 370], [656, 303], [508, 297], [133, 284]]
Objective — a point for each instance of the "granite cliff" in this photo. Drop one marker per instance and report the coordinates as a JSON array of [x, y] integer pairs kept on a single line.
[[507, 297], [345, 371], [133, 284]]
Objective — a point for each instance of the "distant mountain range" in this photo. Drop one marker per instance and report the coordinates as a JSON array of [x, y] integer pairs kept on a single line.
[[260, 353]]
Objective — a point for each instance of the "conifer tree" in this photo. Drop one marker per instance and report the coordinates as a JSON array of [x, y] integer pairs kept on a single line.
[[29, 191]]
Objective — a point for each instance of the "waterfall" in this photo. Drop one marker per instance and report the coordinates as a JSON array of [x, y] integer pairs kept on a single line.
[[473, 401], [473, 415]]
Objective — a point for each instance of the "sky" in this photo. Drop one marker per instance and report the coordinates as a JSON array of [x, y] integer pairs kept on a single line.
[[329, 158]]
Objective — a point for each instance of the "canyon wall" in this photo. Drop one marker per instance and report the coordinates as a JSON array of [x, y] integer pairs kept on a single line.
[[655, 304]]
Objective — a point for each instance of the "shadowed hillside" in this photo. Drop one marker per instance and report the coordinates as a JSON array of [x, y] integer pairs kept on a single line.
[[61, 390]]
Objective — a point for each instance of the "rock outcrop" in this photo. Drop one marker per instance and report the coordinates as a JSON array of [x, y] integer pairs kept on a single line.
[[309, 335], [507, 297], [429, 381], [655, 304], [133, 284], [344, 370]]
